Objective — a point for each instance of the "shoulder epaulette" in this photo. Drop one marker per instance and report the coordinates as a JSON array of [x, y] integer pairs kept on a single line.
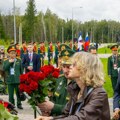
[[18, 58], [61, 75], [5, 59]]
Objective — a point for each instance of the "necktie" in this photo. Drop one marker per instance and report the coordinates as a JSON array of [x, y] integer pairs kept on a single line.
[[30, 56]]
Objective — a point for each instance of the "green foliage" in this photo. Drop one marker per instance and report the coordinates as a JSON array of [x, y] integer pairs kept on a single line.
[[104, 50], [5, 115], [29, 21], [107, 85], [2, 31]]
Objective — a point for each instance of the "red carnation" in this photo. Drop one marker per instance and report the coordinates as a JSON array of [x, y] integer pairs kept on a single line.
[[22, 87], [23, 77], [57, 70], [27, 89], [55, 74], [33, 85]]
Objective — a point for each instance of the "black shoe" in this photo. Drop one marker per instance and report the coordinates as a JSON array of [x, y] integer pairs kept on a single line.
[[20, 107]]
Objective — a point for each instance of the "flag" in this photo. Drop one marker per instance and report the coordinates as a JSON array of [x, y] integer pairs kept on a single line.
[[87, 42], [80, 42]]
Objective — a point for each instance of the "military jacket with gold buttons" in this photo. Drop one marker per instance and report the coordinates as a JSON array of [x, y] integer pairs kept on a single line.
[[17, 66], [113, 65], [61, 96]]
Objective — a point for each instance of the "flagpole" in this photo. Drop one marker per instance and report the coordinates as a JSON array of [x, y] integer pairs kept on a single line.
[[72, 22], [14, 22]]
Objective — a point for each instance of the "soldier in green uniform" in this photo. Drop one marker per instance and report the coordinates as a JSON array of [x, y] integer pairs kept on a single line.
[[41, 53], [60, 96], [50, 53], [23, 49], [13, 69], [75, 46], [57, 52], [114, 65]]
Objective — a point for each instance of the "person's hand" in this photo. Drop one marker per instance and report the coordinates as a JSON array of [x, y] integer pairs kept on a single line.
[[116, 115], [29, 67], [43, 118], [46, 106], [11, 60]]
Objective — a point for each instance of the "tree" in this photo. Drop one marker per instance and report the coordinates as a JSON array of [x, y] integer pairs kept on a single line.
[[29, 21], [2, 31]]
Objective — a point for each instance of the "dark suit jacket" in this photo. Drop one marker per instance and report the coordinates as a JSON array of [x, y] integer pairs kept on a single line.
[[35, 60], [116, 99]]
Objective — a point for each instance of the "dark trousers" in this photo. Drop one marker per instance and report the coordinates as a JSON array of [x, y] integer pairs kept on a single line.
[[11, 89], [114, 82]]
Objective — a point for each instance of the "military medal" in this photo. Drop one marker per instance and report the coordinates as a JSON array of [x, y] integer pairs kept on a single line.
[[115, 66]]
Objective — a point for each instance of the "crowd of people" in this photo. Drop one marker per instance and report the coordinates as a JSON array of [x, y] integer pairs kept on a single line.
[[79, 92]]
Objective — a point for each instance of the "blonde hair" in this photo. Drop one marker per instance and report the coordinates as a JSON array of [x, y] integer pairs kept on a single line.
[[90, 67]]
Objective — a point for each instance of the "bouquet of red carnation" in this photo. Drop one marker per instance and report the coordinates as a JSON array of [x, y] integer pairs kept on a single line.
[[51, 74], [38, 84]]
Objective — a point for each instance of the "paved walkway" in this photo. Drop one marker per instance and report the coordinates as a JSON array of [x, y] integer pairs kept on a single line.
[[28, 114]]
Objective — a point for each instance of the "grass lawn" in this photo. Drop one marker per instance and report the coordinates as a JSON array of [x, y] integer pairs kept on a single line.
[[107, 85], [104, 50]]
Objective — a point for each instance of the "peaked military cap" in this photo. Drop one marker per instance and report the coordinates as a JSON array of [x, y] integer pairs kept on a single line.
[[65, 55], [114, 47], [64, 47], [92, 47], [11, 48]]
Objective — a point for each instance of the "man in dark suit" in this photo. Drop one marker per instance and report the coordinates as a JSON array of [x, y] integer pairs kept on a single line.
[[116, 100], [31, 61]]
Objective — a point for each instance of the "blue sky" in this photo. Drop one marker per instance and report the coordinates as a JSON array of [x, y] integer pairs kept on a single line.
[[91, 9]]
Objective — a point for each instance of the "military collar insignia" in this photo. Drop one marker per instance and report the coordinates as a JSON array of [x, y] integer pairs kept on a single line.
[[62, 48]]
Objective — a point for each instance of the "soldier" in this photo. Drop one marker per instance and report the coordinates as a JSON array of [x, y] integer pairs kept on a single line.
[[2, 72], [17, 47], [43, 44], [35, 49], [60, 96], [23, 49], [92, 49], [13, 69], [113, 65], [57, 52], [70, 44], [41, 53], [75, 46], [50, 53]]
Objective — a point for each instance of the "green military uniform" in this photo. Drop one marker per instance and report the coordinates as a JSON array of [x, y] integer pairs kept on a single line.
[[57, 52], [13, 71], [23, 50], [113, 67], [41, 54], [50, 54], [61, 96], [75, 47]]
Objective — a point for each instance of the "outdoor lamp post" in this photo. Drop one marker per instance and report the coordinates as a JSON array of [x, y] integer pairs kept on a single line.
[[14, 22], [72, 21]]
